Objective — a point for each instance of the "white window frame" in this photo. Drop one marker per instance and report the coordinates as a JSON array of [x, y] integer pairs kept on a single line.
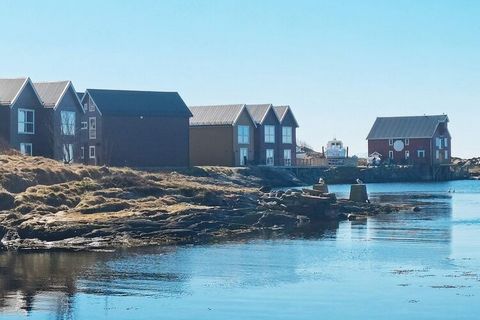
[[90, 156], [287, 133], [92, 130], [25, 122], [445, 142], [390, 142], [438, 143], [82, 153], [91, 105], [65, 128], [287, 161], [84, 125], [22, 148], [446, 154], [269, 133], [243, 134], [437, 154], [407, 154], [407, 142], [421, 154], [243, 153], [85, 107], [390, 154], [270, 161]]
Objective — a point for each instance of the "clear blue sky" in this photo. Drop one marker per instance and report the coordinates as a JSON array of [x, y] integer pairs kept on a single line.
[[339, 64]]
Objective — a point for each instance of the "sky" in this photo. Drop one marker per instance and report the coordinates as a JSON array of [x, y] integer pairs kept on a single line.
[[338, 64]]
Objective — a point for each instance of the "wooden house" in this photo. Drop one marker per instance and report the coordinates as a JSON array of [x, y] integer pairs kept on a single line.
[[136, 128], [221, 135], [415, 140]]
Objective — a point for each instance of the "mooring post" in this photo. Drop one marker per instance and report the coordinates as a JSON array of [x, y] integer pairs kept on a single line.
[[358, 193], [322, 187]]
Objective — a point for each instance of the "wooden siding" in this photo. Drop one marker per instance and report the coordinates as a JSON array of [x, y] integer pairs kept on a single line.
[[212, 146]]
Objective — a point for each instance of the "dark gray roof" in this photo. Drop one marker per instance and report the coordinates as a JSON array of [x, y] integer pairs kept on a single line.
[[405, 127], [51, 92], [216, 115], [9, 89], [139, 103], [258, 111], [281, 112]]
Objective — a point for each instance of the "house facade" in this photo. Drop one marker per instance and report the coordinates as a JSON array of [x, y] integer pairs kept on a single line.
[[135, 128], [221, 135], [415, 140], [267, 134], [64, 114], [287, 133], [23, 118]]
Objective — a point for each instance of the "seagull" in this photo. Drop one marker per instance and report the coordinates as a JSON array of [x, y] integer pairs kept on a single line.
[[321, 181], [359, 181]]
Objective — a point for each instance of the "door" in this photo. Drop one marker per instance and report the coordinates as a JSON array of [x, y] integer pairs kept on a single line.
[[287, 157], [269, 157], [243, 156]]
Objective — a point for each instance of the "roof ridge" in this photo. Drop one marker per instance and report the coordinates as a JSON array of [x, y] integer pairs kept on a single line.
[[125, 90]]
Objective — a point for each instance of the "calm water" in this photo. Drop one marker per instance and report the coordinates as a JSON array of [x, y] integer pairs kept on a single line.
[[422, 265]]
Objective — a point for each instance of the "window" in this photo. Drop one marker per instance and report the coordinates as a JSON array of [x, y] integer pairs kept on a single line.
[[287, 157], [68, 153], [437, 154], [407, 154], [67, 119], [85, 107], [244, 134], [286, 134], [421, 153], [91, 105], [269, 161], [269, 134], [445, 142], [82, 152], [91, 152], [446, 154], [390, 142], [390, 154], [438, 143], [243, 156], [26, 149], [407, 142], [26, 121], [92, 132], [84, 125]]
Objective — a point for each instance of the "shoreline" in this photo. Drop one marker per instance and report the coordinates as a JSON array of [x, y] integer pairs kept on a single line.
[[46, 205]]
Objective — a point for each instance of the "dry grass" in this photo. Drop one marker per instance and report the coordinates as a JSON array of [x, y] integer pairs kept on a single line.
[[51, 191]]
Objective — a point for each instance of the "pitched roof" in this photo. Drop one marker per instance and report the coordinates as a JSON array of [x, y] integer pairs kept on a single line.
[[258, 112], [216, 115], [282, 111], [9, 89], [139, 103], [80, 95], [405, 127], [51, 92]]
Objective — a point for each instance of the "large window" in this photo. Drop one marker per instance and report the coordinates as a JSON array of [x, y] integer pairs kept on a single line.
[[67, 119], [287, 157], [26, 121], [26, 149], [286, 134], [269, 157], [269, 134], [244, 134]]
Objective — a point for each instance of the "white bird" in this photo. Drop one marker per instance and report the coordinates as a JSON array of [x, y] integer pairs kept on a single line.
[[321, 181], [359, 181]]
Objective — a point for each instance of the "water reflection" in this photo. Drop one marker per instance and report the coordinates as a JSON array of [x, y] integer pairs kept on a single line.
[[58, 282]]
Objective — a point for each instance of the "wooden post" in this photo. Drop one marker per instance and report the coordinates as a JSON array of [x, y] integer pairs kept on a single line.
[[322, 187], [358, 193]]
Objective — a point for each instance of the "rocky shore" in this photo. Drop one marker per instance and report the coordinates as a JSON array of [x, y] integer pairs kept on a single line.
[[47, 205]]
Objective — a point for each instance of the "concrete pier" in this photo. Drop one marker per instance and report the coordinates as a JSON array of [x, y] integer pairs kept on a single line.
[[358, 193]]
